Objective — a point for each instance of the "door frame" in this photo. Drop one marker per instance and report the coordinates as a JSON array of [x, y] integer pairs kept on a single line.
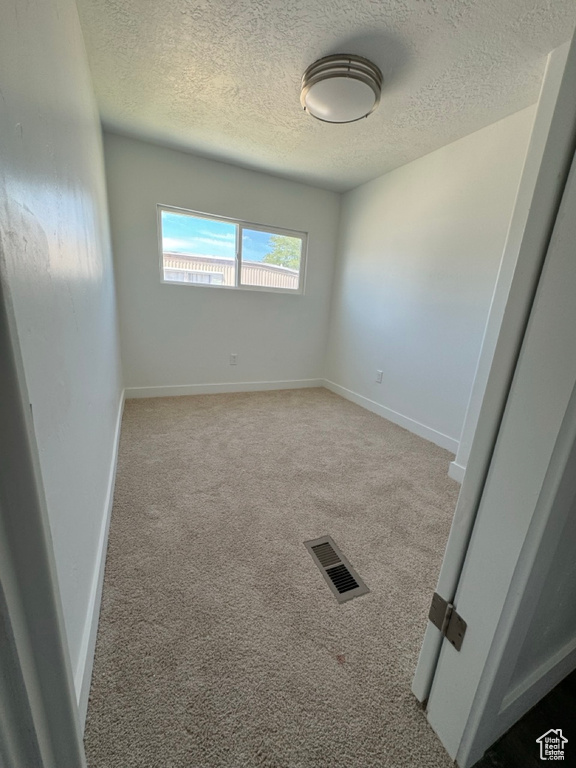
[[556, 118], [526, 500], [524, 496], [39, 719], [498, 706]]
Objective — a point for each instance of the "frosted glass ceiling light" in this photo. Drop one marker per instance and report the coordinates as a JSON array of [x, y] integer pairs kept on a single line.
[[341, 88]]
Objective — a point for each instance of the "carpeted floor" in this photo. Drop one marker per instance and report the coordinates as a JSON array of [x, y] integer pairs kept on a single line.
[[220, 645]]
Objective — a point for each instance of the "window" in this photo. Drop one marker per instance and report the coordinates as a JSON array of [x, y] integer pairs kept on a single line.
[[198, 249]]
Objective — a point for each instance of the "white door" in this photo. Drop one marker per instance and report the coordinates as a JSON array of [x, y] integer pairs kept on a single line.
[[525, 405]]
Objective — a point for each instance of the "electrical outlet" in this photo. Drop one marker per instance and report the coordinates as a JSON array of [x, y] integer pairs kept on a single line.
[[379, 375], [233, 358]]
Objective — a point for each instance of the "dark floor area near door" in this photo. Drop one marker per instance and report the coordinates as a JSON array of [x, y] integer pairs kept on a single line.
[[519, 749]]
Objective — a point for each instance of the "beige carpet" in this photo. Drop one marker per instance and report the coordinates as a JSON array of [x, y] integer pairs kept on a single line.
[[220, 644]]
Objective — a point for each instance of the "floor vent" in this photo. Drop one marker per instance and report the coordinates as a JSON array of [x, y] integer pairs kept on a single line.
[[325, 554], [336, 569]]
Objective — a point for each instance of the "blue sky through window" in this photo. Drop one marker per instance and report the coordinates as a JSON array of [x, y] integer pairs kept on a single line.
[[186, 234]]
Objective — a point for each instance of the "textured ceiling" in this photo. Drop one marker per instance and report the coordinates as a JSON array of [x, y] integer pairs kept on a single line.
[[221, 78]]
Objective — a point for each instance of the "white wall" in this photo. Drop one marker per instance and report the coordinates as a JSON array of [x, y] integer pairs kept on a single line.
[[55, 244], [177, 336], [419, 252]]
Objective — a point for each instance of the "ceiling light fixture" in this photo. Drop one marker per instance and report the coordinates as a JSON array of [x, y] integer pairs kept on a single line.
[[341, 88]]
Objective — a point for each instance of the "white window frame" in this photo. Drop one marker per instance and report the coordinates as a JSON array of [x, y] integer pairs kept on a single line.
[[240, 226]]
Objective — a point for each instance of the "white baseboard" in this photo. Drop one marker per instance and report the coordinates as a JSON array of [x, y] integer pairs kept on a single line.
[[456, 472], [211, 389], [403, 421], [83, 673], [534, 687]]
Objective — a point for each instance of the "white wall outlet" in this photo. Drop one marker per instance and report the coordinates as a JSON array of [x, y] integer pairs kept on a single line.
[[379, 375], [233, 358]]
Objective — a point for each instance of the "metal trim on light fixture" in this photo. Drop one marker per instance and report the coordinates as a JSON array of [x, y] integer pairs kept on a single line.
[[342, 65]]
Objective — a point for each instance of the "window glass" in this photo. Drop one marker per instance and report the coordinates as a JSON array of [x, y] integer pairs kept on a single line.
[[198, 250], [270, 260], [203, 250]]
